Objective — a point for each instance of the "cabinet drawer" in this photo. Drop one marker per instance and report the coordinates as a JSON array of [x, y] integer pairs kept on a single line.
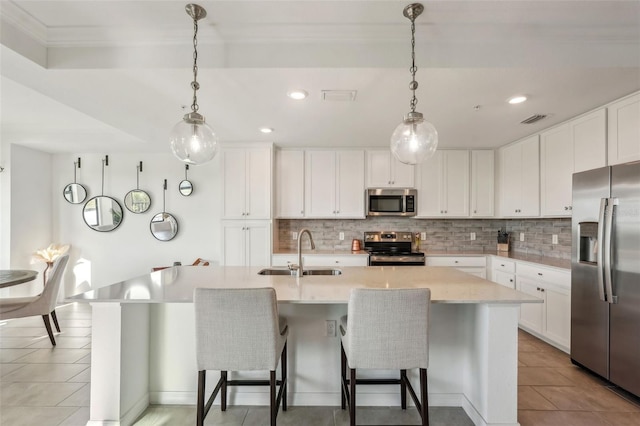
[[551, 275], [332, 260], [503, 265], [283, 259], [457, 261]]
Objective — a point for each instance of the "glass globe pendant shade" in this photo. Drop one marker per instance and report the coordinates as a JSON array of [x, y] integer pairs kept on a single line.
[[414, 140], [193, 141]]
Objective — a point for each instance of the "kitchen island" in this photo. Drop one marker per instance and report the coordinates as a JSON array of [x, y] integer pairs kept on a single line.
[[143, 339]]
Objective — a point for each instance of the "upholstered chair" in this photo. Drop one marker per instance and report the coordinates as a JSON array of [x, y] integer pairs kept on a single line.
[[239, 330], [386, 330], [42, 304]]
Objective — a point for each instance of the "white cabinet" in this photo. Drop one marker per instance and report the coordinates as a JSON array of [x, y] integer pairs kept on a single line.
[[482, 183], [443, 184], [503, 272], [474, 265], [247, 183], [556, 169], [385, 171], [334, 184], [575, 146], [289, 169], [520, 179], [550, 320], [246, 242], [624, 130]]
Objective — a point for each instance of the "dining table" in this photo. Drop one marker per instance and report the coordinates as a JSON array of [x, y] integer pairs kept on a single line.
[[11, 277]]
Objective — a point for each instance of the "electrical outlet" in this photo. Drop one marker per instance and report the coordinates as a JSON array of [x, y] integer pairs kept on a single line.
[[341, 236], [522, 236], [294, 235], [554, 239], [423, 236], [330, 330], [472, 237]]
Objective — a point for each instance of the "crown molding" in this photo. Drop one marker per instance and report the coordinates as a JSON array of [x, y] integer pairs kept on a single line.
[[15, 16]]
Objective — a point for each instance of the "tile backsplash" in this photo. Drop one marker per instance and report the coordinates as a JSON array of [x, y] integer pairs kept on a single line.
[[442, 234]]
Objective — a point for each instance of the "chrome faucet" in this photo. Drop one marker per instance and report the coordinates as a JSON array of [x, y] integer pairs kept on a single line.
[[298, 268]]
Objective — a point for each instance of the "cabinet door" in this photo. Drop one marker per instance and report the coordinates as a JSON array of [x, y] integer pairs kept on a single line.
[[234, 176], [510, 179], [530, 313], [233, 243], [624, 130], [557, 325], [504, 278], [482, 183], [290, 184], [350, 184], [556, 169], [589, 134], [456, 183], [429, 186], [530, 180], [320, 184], [402, 175], [378, 169], [258, 171], [258, 243]]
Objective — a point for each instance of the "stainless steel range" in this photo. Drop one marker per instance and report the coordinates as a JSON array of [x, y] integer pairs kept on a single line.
[[391, 248]]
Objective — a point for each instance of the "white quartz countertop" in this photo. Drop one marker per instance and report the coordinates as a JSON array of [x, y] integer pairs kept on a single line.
[[176, 285]]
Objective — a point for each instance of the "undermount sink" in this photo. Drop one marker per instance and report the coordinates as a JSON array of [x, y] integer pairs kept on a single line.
[[278, 271]]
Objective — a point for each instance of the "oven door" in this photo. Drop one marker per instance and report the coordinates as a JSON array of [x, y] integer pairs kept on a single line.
[[382, 260]]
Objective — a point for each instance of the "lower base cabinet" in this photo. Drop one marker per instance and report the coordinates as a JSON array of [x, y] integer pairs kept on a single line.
[[474, 265], [246, 242], [309, 260]]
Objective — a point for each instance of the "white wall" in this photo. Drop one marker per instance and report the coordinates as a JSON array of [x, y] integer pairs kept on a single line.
[[101, 258]]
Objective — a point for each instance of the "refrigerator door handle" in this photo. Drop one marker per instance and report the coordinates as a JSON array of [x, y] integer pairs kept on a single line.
[[600, 248], [611, 202]]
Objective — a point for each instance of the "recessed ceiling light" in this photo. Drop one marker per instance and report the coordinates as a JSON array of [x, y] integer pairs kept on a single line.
[[297, 94], [266, 129], [517, 99]]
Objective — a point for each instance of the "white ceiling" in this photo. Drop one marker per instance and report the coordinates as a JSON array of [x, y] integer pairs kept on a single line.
[[105, 76]]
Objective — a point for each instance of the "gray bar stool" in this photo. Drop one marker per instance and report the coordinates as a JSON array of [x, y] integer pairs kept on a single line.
[[239, 330], [386, 330]]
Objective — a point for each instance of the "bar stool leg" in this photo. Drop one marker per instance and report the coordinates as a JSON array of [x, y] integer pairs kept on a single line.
[[283, 361], [343, 371], [202, 376], [223, 389], [272, 397], [424, 396], [403, 389], [352, 397]]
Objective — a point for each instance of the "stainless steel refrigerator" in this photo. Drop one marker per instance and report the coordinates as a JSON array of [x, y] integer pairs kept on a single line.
[[605, 273]]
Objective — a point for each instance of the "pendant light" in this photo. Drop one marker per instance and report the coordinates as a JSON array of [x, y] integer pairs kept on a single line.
[[192, 140], [415, 139]]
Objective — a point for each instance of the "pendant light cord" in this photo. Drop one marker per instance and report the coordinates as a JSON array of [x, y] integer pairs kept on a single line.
[[414, 84], [194, 84]]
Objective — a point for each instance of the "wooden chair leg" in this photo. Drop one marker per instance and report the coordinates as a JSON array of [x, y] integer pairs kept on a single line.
[[352, 397], [283, 367], [223, 390], [202, 376], [55, 320], [424, 397], [403, 389], [47, 324], [272, 397], [343, 376]]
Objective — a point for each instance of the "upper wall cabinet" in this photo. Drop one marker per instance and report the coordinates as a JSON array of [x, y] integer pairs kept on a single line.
[[247, 183], [289, 184], [482, 183], [624, 130], [443, 185], [334, 184], [520, 179], [574, 146], [385, 171]]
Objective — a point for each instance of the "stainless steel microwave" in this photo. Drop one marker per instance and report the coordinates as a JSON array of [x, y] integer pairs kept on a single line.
[[391, 202]]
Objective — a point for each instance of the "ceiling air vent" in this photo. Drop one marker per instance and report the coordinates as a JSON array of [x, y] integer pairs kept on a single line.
[[533, 119], [339, 95]]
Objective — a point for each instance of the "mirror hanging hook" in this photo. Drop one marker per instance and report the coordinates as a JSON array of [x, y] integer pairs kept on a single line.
[[164, 197], [105, 162], [138, 170], [186, 169], [76, 166]]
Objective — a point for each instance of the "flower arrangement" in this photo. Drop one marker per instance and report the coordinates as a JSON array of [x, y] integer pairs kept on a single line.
[[51, 253]]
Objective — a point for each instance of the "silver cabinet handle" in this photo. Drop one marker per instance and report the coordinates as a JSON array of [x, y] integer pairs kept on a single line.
[[540, 273], [542, 290], [599, 248], [510, 280], [608, 285]]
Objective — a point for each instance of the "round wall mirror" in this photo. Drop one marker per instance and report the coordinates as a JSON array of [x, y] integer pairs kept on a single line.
[[74, 193], [164, 226], [186, 188], [137, 201], [102, 213]]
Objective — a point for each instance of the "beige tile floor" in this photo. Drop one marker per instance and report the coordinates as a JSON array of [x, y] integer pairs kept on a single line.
[[50, 387]]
